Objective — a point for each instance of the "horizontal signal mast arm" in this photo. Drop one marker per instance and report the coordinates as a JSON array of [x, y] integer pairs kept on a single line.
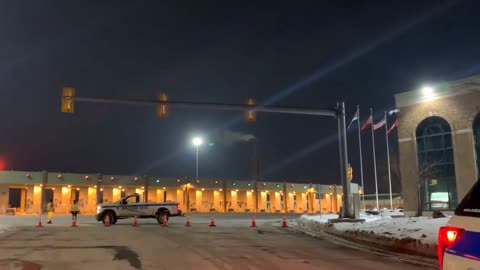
[[216, 106]]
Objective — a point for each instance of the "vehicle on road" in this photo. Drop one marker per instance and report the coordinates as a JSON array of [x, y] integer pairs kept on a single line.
[[130, 206], [459, 241]]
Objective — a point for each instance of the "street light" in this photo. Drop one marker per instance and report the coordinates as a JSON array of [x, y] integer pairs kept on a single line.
[[428, 91], [197, 142]]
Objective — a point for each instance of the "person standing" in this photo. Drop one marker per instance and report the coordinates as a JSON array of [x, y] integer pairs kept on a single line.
[[294, 202], [50, 211], [268, 202], [74, 209]]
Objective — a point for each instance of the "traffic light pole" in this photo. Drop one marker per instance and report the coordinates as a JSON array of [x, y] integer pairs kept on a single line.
[[338, 113], [347, 209]]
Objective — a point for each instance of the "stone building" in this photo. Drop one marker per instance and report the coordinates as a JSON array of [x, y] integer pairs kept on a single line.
[[439, 143]]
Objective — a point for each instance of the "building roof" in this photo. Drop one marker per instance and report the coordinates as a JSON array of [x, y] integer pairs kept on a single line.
[[21, 178], [441, 90]]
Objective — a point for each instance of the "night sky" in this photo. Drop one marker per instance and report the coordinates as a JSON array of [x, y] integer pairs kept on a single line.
[[305, 53]]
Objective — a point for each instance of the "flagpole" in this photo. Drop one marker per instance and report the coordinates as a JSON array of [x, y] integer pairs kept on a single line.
[[388, 161], [374, 161], [361, 158]]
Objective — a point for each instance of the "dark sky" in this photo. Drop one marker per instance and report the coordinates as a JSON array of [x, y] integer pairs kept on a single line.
[[306, 53]]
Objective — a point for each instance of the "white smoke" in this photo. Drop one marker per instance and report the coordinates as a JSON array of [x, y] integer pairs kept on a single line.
[[230, 137], [392, 112]]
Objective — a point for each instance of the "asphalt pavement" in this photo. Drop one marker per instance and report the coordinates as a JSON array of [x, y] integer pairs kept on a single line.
[[232, 244]]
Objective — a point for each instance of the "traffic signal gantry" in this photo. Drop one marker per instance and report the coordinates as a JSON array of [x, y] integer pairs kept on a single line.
[[250, 108], [162, 109], [250, 115], [68, 105]]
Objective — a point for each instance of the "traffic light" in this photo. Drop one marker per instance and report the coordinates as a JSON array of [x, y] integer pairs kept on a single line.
[[250, 115], [349, 173], [162, 109], [68, 105]]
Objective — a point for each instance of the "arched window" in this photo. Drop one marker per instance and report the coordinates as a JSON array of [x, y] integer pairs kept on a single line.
[[476, 136], [436, 168]]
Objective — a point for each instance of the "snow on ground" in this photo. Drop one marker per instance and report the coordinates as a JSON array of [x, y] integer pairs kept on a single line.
[[424, 229], [326, 217], [393, 212]]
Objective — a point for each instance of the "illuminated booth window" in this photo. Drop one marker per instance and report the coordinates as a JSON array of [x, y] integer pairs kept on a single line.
[[436, 168]]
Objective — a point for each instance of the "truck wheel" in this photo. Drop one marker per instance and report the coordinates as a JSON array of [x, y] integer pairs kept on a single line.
[[160, 216], [110, 216]]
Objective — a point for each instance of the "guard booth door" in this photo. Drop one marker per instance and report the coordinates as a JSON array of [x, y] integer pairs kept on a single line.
[[14, 198], [48, 195], [75, 195]]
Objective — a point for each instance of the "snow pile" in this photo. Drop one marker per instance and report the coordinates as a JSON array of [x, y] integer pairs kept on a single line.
[[325, 218], [392, 213], [423, 229], [410, 235]]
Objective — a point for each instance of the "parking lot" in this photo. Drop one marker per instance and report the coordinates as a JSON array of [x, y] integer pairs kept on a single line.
[[232, 244]]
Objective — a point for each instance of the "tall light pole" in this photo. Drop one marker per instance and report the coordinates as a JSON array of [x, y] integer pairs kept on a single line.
[[197, 142], [257, 172]]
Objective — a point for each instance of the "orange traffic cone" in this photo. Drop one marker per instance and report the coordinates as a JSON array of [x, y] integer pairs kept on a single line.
[[74, 222], [40, 223], [254, 224], [284, 222], [165, 221], [135, 222], [107, 221], [188, 223], [212, 222]]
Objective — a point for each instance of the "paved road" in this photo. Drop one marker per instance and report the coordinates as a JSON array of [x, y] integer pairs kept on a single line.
[[230, 245]]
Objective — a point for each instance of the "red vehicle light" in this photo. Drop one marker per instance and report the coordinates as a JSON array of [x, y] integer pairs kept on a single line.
[[447, 237], [451, 236]]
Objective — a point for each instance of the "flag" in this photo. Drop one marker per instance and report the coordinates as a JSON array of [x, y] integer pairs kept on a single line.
[[394, 125], [367, 123], [355, 117], [380, 124], [392, 112]]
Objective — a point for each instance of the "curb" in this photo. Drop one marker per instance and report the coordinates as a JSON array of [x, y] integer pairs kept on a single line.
[[410, 250]]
